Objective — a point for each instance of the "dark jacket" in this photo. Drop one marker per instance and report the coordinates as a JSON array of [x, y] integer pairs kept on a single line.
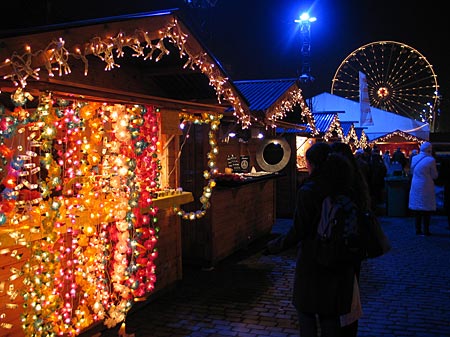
[[316, 288]]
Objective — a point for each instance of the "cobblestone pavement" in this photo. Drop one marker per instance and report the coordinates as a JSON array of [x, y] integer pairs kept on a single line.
[[404, 293]]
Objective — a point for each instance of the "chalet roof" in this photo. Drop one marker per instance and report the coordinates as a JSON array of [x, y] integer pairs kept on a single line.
[[383, 121], [359, 130], [398, 136], [156, 58], [263, 94], [272, 100], [346, 126], [323, 122]]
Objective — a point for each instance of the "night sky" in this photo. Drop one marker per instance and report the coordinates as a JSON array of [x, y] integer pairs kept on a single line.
[[258, 39]]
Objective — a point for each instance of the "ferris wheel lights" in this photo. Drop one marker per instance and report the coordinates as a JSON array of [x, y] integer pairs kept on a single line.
[[410, 94]]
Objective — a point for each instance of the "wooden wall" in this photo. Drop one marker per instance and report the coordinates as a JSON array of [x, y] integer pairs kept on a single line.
[[287, 184], [237, 215]]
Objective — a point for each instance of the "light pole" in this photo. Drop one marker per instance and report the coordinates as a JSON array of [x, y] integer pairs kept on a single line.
[[305, 30], [305, 21]]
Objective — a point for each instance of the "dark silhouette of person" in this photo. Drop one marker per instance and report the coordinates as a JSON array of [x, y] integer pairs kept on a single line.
[[363, 202], [399, 157], [326, 299], [377, 173]]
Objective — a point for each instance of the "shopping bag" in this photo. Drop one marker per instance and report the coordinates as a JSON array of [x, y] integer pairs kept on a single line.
[[375, 241]]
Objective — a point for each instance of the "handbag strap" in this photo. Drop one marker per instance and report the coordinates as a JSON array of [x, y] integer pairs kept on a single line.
[[415, 164]]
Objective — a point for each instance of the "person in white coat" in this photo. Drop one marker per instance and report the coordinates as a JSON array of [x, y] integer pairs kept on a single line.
[[422, 197]]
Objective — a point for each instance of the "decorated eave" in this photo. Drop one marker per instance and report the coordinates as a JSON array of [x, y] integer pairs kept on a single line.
[[334, 129], [286, 127], [348, 127], [398, 136], [360, 131], [327, 123], [271, 100], [349, 131], [161, 63]]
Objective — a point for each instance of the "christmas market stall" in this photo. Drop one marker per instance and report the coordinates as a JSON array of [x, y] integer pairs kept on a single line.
[[326, 128], [252, 162], [398, 139], [91, 199]]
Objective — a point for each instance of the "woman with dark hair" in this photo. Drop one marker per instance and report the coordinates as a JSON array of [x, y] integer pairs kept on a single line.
[[323, 296], [361, 196], [360, 183]]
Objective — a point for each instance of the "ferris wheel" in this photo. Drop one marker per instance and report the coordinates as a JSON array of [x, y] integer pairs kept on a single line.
[[399, 79]]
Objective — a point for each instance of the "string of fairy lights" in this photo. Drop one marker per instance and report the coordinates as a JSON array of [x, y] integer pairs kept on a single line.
[[57, 57], [79, 180], [214, 121], [396, 133], [289, 100]]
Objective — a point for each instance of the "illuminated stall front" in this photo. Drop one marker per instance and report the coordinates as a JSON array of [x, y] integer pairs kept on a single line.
[[244, 206], [89, 142], [398, 139]]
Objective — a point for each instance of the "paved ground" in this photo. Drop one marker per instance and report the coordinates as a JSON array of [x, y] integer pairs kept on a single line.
[[404, 293]]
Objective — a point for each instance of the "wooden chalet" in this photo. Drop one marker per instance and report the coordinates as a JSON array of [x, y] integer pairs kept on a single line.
[[398, 139], [93, 193], [280, 104]]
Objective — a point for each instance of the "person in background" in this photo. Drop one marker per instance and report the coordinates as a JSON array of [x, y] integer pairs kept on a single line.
[[387, 159], [378, 172], [362, 164], [326, 299], [399, 157], [412, 154], [361, 183], [422, 196]]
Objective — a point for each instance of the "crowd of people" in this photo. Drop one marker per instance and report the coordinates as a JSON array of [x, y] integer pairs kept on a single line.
[[327, 299]]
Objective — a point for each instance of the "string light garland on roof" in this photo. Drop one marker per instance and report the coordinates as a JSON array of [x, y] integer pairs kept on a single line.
[[352, 137], [402, 134], [288, 101], [57, 57], [363, 140], [335, 126]]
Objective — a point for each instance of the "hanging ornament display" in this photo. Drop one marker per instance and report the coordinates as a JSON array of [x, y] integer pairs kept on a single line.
[[75, 179]]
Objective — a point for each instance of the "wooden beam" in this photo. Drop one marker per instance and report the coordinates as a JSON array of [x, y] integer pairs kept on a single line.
[[79, 91]]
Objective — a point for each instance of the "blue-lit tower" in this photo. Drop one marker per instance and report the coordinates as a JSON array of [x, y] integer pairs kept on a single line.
[[305, 21]]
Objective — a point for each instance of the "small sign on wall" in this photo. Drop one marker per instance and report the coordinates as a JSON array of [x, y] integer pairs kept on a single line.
[[245, 163]]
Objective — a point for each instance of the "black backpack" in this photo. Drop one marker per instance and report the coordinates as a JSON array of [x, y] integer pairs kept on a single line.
[[338, 240]]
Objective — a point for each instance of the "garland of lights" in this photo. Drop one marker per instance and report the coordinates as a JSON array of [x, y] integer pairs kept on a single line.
[[288, 101], [214, 122], [363, 140], [56, 58], [407, 136], [335, 125], [352, 137], [96, 251]]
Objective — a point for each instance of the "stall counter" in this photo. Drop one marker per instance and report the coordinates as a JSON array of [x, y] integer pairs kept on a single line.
[[240, 213]]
